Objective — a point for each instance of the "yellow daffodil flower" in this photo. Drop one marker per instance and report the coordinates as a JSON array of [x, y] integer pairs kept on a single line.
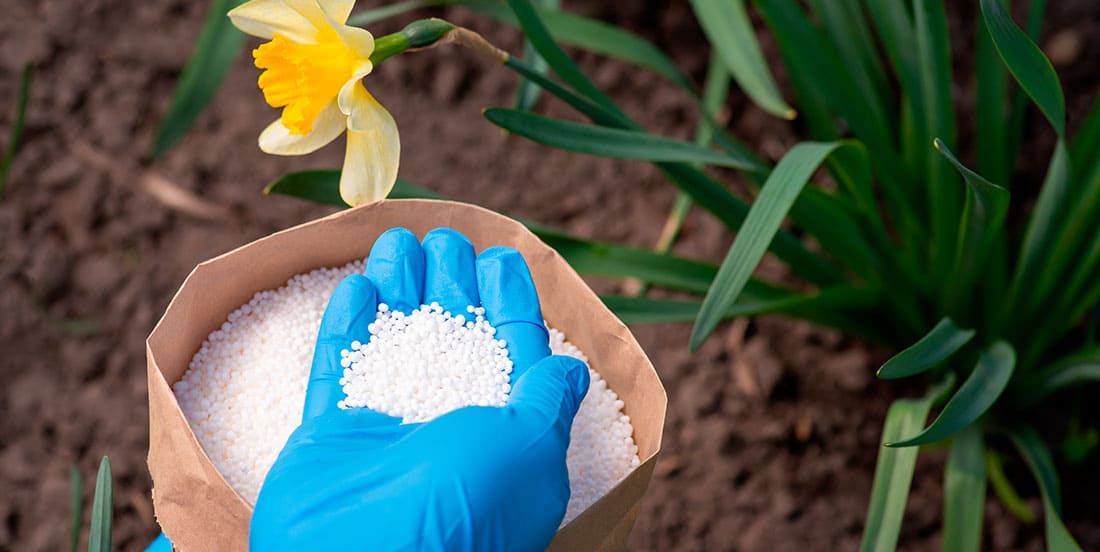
[[313, 69]]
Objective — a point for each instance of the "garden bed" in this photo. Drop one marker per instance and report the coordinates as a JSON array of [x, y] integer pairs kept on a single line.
[[773, 426]]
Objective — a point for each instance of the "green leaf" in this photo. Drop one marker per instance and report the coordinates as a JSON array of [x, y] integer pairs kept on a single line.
[[1004, 490], [575, 30], [375, 15], [894, 470], [15, 138], [980, 390], [76, 507], [527, 92], [937, 346], [731, 211], [618, 261], [595, 113], [1085, 147], [827, 89], [594, 36], [704, 191], [845, 25], [100, 539], [1038, 458], [991, 109], [1027, 64], [587, 257], [830, 306], [323, 186], [1036, 11], [1076, 369], [759, 228], [540, 38], [1041, 235], [944, 199], [218, 45], [834, 223], [730, 32], [964, 492], [607, 142], [982, 219]]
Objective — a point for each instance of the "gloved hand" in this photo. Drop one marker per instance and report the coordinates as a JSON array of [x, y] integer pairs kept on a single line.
[[477, 478]]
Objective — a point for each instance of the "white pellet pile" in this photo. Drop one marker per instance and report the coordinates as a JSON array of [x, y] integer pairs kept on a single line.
[[244, 389], [428, 363]]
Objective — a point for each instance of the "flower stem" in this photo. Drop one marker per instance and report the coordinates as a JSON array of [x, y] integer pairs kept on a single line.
[[429, 33]]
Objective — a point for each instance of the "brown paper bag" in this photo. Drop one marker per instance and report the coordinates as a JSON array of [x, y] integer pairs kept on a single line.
[[195, 506]]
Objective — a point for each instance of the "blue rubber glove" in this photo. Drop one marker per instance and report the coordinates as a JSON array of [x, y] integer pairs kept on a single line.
[[477, 478]]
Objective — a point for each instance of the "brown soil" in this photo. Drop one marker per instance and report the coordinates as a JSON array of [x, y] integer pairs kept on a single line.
[[773, 426]]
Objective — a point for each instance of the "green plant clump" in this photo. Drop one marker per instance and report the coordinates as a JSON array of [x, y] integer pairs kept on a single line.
[[994, 303]]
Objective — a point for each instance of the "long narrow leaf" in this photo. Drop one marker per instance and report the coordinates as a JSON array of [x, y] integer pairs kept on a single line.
[[894, 471], [607, 142], [575, 30], [756, 233], [1085, 147], [894, 26], [729, 30], [830, 306], [527, 92], [323, 186], [543, 41], [991, 109], [964, 492], [595, 113], [381, 13], [218, 45], [704, 191], [1079, 368], [15, 137], [797, 37], [1005, 491], [834, 223], [713, 197], [1027, 64], [1036, 13], [827, 89], [932, 349], [100, 539], [76, 507], [587, 257], [944, 200], [982, 219], [594, 36], [1041, 234], [845, 25], [980, 390], [1038, 458]]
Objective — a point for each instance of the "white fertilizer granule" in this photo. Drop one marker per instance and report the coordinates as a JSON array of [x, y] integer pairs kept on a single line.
[[428, 363], [244, 389]]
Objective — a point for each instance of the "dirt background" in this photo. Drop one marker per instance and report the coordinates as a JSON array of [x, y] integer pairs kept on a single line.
[[773, 426]]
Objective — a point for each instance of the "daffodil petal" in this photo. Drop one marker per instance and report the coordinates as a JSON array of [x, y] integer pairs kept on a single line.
[[373, 152], [298, 20], [359, 40], [353, 91], [276, 139], [338, 10]]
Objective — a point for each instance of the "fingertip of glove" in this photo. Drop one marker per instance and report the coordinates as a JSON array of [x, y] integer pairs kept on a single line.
[[507, 290], [576, 375], [353, 286], [446, 233]]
